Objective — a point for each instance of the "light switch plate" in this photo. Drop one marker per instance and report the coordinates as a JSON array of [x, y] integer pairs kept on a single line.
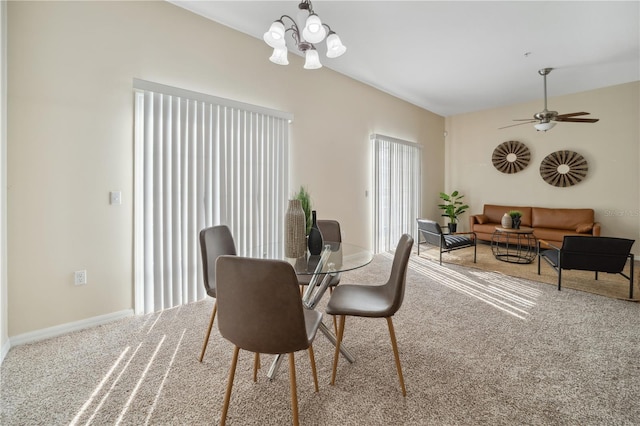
[[115, 197]]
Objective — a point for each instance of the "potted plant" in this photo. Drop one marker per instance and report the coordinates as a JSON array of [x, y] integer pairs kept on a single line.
[[452, 207], [305, 200], [516, 216]]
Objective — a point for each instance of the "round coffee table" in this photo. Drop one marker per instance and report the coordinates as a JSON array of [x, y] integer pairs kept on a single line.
[[514, 245]]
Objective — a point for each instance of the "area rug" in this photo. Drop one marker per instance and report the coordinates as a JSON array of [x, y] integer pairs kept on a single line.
[[609, 285]]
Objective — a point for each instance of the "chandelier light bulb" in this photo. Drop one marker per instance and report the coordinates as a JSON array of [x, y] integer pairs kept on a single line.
[[279, 56], [275, 36], [312, 60], [313, 31], [335, 47]]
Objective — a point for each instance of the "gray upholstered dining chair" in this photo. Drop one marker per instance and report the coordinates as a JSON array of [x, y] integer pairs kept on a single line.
[[260, 310], [214, 241], [373, 301], [330, 230]]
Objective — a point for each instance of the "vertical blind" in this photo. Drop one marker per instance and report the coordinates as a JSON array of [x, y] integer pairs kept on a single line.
[[200, 161], [396, 195]]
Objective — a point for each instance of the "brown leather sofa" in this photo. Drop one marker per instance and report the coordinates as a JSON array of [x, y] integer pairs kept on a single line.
[[550, 225]]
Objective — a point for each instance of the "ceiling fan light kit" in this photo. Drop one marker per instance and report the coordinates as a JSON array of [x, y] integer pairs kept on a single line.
[[546, 120], [544, 126], [313, 31]]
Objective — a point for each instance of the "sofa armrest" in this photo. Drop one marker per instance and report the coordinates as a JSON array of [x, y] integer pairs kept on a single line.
[[473, 219], [596, 229]]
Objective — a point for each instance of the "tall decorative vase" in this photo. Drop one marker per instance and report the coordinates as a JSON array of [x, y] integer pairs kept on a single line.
[[506, 221], [295, 225], [515, 222], [315, 236]]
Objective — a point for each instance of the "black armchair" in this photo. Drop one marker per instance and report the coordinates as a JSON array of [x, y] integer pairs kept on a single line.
[[432, 233], [586, 253]]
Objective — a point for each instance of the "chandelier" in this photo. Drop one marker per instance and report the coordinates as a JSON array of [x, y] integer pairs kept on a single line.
[[314, 31]]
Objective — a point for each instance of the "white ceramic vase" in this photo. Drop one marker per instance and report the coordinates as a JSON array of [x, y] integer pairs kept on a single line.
[[506, 221]]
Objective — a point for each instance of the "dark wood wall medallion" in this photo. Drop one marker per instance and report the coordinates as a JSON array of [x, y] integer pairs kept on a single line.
[[511, 157], [563, 168]]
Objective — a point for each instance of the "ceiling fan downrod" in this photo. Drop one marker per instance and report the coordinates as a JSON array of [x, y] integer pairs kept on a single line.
[[545, 116]]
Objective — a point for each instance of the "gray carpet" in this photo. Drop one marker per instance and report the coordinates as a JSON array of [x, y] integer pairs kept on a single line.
[[476, 348]]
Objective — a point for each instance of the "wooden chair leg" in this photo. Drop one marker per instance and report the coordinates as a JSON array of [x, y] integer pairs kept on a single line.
[[227, 395], [256, 366], [312, 360], [206, 337], [394, 344], [336, 355], [294, 390], [335, 324]]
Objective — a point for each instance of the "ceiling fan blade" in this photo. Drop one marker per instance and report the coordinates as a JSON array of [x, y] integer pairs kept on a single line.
[[577, 120], [545, 115], [524, 119], [572, 114], [519, 124]]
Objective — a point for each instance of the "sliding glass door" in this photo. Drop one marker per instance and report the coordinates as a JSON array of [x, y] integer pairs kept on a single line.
[[396, 194]]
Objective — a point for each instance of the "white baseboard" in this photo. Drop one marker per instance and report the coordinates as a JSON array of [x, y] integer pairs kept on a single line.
[[4, 350], [61, 329]]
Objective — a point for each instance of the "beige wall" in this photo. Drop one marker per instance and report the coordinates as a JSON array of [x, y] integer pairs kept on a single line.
[[70, 110], [610, 146]]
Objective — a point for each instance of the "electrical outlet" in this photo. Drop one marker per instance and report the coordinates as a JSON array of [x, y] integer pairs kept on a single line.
[[80, 277]]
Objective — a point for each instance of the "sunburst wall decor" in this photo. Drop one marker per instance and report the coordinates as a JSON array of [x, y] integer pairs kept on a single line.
[[563, 168], [511, 157]]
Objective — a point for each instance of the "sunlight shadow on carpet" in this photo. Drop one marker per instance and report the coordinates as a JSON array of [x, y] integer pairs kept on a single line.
[[164, 378], [508, 294], [98, 389], [134, 392]]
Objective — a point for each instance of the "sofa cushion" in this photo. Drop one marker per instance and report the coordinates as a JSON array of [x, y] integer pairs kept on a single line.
[[495, 213], [552, 235], [584, 228], [487, 228], [482, 219], [560, 218]]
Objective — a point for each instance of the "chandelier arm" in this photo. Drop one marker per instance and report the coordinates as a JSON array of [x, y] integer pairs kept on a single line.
[[329, 30], [295, 32], [293, 21]]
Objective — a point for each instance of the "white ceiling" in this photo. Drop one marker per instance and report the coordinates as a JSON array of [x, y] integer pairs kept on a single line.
[[452, 57]]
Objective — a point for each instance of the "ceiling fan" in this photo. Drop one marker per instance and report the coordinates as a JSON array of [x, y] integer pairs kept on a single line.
[[546, 119]]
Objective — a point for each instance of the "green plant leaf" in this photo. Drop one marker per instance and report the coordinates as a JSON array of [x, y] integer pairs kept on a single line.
[[305, 200], [452, 206]]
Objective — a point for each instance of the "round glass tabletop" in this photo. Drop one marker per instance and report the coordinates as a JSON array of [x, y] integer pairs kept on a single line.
[[342, 257]]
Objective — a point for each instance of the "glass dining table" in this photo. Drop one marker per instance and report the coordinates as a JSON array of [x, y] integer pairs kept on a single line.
[[336, 257]]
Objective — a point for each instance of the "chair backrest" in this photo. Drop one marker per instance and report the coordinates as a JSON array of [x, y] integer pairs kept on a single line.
[[214, 241], [330, 230], [259, 305], [394, 287], [603, 254], [431, 231]]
